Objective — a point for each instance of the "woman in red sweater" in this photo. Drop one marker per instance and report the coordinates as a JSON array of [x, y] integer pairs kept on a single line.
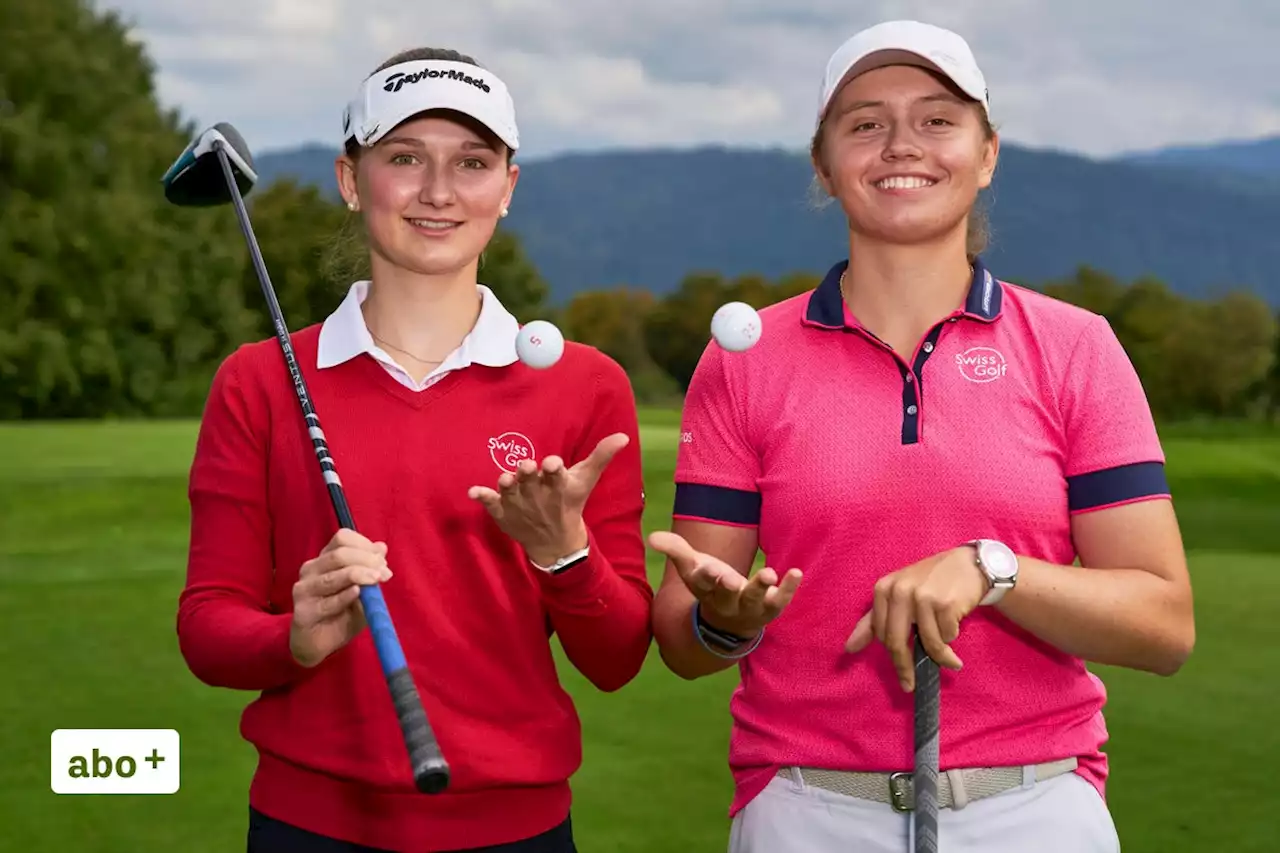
[[497, 505]]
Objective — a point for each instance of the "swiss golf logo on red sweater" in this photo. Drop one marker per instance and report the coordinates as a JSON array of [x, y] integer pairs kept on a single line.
[[510, 449]]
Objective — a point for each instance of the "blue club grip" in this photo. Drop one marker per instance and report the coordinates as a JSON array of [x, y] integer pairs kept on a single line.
[[385, 639]]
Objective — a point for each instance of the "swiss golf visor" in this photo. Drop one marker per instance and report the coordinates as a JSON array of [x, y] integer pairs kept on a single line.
[[394, 94]]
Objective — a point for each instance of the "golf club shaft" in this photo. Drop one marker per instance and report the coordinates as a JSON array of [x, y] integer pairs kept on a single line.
[[430, 770], [925, 774]]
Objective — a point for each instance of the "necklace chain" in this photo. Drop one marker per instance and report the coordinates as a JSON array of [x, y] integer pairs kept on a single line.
[[405, 351]]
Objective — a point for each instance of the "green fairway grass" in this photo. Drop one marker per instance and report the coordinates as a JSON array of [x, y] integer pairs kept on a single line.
[[93, 532]]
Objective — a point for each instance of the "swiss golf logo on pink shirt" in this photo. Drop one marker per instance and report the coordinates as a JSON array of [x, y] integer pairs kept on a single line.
[[981, 364], [510, 449]]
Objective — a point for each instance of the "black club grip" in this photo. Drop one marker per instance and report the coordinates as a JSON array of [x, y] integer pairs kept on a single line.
[[430, 770]]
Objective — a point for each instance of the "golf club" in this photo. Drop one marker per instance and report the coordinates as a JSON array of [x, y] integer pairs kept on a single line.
[[924, 777], [214, 169]]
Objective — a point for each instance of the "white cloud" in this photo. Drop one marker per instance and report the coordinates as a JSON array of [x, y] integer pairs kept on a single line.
[[1095, 76], [620, 98]]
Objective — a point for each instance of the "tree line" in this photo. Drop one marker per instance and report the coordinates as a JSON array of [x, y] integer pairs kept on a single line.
[[1214, 357], [120, 305]]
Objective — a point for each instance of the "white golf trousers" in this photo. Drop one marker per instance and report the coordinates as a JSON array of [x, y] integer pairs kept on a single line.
[[1061, 815]]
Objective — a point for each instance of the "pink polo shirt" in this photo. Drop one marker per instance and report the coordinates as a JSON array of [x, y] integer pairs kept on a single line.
[[1012, 415]]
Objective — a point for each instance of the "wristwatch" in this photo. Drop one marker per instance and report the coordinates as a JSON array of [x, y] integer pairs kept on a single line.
[[997, 561], [564, 563]]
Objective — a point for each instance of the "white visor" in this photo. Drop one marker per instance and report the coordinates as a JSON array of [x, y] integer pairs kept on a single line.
[[905, 43], [394, 94]]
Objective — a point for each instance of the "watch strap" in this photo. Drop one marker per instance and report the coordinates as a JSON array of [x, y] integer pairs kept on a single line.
[[720, 643], [564, 563]]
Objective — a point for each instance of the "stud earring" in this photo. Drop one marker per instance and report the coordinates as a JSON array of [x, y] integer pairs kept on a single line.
[[351, 205], [504, 212]]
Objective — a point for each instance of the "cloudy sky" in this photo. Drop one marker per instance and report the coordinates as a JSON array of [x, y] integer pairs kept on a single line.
[[1092, 76]]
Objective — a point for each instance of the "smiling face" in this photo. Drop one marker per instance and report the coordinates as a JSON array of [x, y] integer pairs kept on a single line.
[[431, 192], [905, 154]]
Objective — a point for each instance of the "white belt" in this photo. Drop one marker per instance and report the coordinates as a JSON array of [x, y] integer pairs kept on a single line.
[[956, 788]]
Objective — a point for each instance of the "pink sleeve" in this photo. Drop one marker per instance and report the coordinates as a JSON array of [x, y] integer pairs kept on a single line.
[[717, 467], [1113, 453]]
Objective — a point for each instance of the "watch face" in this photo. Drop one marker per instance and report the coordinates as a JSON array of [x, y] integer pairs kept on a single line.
[[999, 560]]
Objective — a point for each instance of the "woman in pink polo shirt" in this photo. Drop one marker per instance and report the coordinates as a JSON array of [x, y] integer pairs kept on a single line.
[[922, 449]]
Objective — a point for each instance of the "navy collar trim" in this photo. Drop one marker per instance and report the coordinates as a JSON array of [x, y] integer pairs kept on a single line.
[[826, 304]]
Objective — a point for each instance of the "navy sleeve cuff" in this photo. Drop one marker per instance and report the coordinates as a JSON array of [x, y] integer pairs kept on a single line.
[[717, 504], [1114, 486]]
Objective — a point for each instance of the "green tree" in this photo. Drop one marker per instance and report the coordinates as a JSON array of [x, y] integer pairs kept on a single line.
[[1091, 289], [1156, 327], [755, 290], [507, 270], [296, 227], [793, 284], [612, 321], [1196, 357], [1270, 390], [1236, 345], [116, 303], [676, 332]]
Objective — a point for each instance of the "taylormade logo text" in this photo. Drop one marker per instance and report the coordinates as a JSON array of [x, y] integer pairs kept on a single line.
[[398, 80]]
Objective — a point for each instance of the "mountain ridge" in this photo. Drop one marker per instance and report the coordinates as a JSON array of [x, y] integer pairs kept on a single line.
[[648, 217]]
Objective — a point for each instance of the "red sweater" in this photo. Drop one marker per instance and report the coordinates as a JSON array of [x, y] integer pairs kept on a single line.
[[473, 616]]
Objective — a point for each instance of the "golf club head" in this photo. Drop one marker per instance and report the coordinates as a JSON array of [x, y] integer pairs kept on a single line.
[[196, 180]]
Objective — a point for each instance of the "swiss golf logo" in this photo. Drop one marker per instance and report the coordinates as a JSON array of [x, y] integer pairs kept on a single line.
[[981, 364], [510, 449]]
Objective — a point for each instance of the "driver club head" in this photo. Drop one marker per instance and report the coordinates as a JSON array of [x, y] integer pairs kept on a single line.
[[196, 179]]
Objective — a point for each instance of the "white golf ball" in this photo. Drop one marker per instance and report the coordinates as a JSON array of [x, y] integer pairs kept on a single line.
[[539, 344], [736, 326]]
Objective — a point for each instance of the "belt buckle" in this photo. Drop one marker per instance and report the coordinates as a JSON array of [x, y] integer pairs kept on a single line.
[[900, 792]]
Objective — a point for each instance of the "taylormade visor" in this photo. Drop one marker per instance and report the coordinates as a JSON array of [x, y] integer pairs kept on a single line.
[[394, 94], [905, 43]]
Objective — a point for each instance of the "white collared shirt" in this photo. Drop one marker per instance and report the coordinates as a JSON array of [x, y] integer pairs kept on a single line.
[[491, 341]]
